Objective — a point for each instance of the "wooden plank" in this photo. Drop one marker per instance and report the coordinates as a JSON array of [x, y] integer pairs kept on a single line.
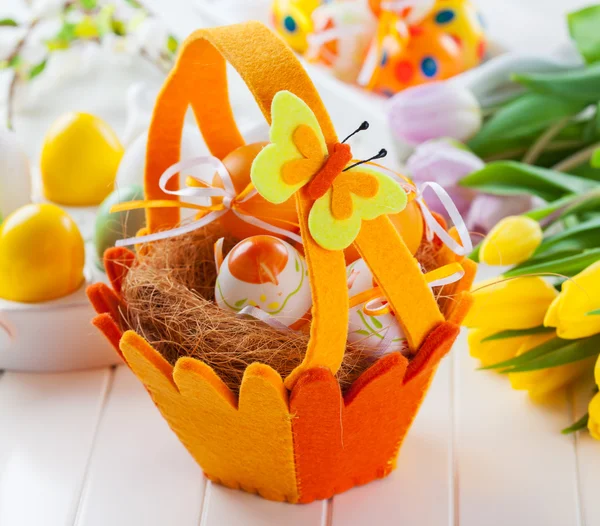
[[588, 457], [419, 490], [139, 471], [226, 507], [47, 424], [514, 466]]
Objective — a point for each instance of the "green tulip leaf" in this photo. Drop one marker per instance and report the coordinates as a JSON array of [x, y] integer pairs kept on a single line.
[[583, 236], [593, 313], [582, 85], [510, 178], [37, 69], [567, 266], [583, 27], [595, 161], [8, 22], [577, 426], [525, 117], [518, 333], [533, 354], [474, 256], [576, 351]]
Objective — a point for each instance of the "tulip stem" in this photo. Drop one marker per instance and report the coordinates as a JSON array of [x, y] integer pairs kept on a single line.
[[576, 159], [555, 146], [544, 140]]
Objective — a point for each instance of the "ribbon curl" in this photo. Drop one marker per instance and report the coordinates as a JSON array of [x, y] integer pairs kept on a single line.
[[195, 187]]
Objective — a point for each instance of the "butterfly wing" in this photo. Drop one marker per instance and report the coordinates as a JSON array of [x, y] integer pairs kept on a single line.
[[296, 152], [338, 234]]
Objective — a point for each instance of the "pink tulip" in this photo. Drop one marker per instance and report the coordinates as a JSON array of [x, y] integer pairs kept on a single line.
[[445, 163], [486, 210], [433, 111]]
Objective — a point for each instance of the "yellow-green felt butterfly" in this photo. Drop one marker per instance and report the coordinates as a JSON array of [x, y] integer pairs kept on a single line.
[[298, 157]]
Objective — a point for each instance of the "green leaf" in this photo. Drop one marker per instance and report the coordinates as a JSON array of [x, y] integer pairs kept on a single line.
[[172, 44], [568, 266], [517, 333], [38, 68], [577, 426], [593, 313], [581, 85], [535, 353], [118, 27], [239, 303], [8, 22], [376, 322], [474, 256], [583, 236], [88, 4], [524, 117], [595, 162], [510, 178], [575, 352], [15, 61], [583, 27]]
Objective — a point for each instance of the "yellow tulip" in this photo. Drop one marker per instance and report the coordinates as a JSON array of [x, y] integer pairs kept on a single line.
[[579, 295], [494, 351], [594, 420], [512, 241], [545, 381], [518, 303]]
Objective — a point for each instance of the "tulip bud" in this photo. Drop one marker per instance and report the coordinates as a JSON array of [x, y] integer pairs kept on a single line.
[[569, 311], [488, 210], [446, 163], [432, 111], [518, 303], [491, 352], [512, 241], [543, 382]]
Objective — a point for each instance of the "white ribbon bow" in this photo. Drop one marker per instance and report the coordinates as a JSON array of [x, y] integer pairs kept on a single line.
[[228, 194]]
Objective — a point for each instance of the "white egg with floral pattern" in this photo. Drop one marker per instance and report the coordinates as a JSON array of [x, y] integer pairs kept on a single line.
[[370, 323], [269, 274]]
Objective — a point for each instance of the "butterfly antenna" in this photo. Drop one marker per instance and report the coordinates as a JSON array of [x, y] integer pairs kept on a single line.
[[382, 153], [364, 126]]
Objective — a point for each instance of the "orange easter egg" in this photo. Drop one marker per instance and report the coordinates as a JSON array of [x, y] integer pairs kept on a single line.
[[238, 164]]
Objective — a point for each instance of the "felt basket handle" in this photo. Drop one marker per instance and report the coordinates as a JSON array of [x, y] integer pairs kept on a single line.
[[199, 79]]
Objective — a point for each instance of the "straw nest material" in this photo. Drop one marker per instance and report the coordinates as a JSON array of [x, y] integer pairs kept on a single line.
[[170, 302]]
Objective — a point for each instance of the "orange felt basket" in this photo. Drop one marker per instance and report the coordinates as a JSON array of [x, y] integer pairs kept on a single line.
[[295, 439]]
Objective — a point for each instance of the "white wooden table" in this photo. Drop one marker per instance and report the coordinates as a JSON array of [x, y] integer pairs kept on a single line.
[[90, 449]]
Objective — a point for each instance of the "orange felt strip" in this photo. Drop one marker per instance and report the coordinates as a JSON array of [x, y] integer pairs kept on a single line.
[[117, 262], [398, 274], [110, 329], [461, 304], [437, 344], [199, 78], [105, 300], [246, 445], [331, 435]]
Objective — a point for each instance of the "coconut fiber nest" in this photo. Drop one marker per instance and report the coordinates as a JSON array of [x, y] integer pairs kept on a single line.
[[169, 298]]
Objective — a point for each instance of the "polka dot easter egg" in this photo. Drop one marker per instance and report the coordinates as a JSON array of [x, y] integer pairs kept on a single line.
[[267, 273], [448, 41], [381, 333], [293, 21]]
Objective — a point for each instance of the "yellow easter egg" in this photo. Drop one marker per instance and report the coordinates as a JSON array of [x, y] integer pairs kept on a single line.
[[80, 159], [42, 254]]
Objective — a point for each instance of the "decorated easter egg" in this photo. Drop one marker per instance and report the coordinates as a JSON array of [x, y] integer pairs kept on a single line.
[[413, 11], [404, 53], [238, 164], [341, 36], [42, 254], [293, 21], [381, 333], [15, 178], [110, 227], [80, 158], [267, 273]]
